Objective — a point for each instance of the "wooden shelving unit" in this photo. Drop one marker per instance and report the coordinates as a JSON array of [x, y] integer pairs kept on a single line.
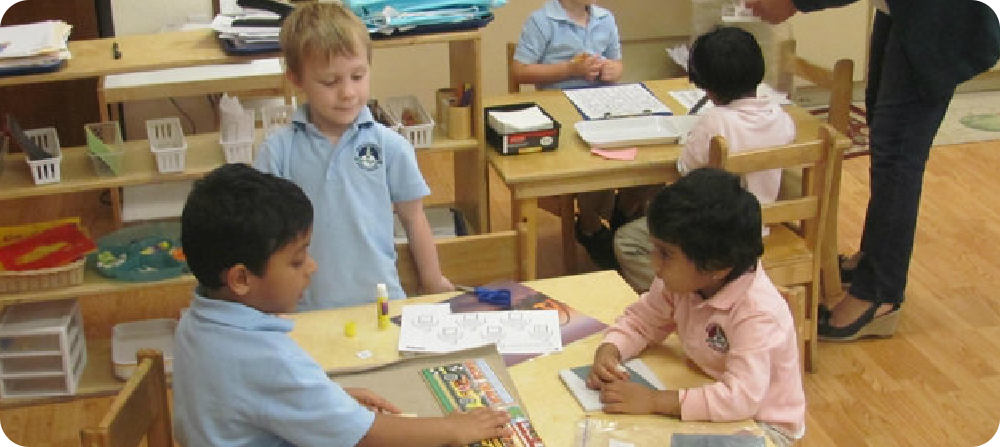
[[92, 58]]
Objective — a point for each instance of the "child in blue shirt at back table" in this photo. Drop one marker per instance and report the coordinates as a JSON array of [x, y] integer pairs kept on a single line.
[[567, 44], [571, 44], [353, 169], [239, 379]]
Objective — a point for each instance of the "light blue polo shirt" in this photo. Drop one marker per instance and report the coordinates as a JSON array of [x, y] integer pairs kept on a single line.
[[549, 36], [352, 187], [240, 381]]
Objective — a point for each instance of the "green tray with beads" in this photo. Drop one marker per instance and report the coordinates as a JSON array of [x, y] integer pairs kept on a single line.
[[142, 253]]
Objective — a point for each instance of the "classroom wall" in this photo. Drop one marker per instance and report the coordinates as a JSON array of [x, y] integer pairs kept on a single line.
[[150, 16], [823, 37], [422, 69]]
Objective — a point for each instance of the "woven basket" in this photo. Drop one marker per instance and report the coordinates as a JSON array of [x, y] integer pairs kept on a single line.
[[30, 280]]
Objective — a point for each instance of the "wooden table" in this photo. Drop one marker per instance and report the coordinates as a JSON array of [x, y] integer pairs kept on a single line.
[[553, 410], [571, 168]]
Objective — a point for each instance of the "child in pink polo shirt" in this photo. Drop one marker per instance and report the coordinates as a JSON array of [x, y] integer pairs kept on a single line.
[[710, 289], [729, 65]]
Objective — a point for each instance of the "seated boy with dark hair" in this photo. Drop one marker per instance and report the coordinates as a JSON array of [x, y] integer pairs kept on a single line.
[[239, 380]]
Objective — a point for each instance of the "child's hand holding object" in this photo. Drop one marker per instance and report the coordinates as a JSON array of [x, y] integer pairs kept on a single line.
[[607, 367]]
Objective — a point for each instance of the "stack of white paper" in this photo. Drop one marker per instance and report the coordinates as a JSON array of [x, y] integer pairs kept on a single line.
[[524, 120], [34, 44]]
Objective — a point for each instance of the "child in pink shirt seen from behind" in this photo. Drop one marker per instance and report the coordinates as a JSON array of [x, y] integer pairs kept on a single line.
[[732, 322]]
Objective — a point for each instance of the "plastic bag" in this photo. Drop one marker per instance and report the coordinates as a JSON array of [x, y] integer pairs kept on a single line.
[[600, 432]]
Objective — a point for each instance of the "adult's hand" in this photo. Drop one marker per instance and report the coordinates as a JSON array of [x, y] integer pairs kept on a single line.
[[772, 11]]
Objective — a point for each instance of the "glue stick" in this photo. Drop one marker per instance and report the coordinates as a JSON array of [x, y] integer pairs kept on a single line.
[[382, 306]]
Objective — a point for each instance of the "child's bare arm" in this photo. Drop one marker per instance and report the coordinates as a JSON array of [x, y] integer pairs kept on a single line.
[[581, 66], [633, 398], [456, 429], [421, 240], [372, 401]]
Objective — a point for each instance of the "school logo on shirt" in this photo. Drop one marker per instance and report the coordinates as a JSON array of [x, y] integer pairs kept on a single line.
[[368, 156], [717, 338]]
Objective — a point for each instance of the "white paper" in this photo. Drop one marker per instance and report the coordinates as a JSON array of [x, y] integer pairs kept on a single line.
[[680, 55], [33, 39], [688, 98], [524, 120], [426, 329], [223, 25], [616, 101]]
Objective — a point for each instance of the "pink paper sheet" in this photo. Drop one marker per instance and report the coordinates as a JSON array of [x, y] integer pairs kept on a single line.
[[627, 153]]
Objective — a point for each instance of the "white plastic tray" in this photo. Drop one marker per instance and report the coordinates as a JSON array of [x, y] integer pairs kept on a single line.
[[634, 131], [127, 338]]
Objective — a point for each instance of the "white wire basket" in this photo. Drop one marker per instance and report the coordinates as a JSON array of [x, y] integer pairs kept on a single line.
[[106, 148], [274, 117], [45, 171], [421, 133], [236, 137], [166, 140]]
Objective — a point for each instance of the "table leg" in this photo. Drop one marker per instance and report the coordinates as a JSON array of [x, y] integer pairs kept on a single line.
[[567, 217], [525, 214]]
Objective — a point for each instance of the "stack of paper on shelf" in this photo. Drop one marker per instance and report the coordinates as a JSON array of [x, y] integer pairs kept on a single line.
[[524, 120], [250, 26], [33, 47]]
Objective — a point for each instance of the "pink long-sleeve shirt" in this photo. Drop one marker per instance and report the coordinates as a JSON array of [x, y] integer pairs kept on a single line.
[[743, 337]]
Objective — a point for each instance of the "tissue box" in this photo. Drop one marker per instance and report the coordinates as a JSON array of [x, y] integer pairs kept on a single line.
[[521, 142]]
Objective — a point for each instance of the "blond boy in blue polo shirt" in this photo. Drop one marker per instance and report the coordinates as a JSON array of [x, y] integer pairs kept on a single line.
[[353, 169], [239, 380]]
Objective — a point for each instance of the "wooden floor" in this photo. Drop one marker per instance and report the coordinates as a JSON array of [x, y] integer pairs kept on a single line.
[[936, 383]]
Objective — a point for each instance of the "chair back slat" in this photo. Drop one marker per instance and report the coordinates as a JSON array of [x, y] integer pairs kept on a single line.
[[512, 85], [794, 257], [468, 260], [141, 409]]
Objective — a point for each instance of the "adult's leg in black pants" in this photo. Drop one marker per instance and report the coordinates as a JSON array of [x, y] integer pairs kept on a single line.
[[903, 122]]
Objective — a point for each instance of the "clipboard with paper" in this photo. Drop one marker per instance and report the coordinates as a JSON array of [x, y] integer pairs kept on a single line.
[[616, 101]]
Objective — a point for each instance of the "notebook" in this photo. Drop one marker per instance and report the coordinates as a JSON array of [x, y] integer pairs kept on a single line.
[[616, 101], [576, 380]]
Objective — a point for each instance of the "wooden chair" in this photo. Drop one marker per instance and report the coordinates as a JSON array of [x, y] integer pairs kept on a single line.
[[141, 409], [562, 206], [840, 82], [512, 85], [793, 249], [796, 299], [471, 260]]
